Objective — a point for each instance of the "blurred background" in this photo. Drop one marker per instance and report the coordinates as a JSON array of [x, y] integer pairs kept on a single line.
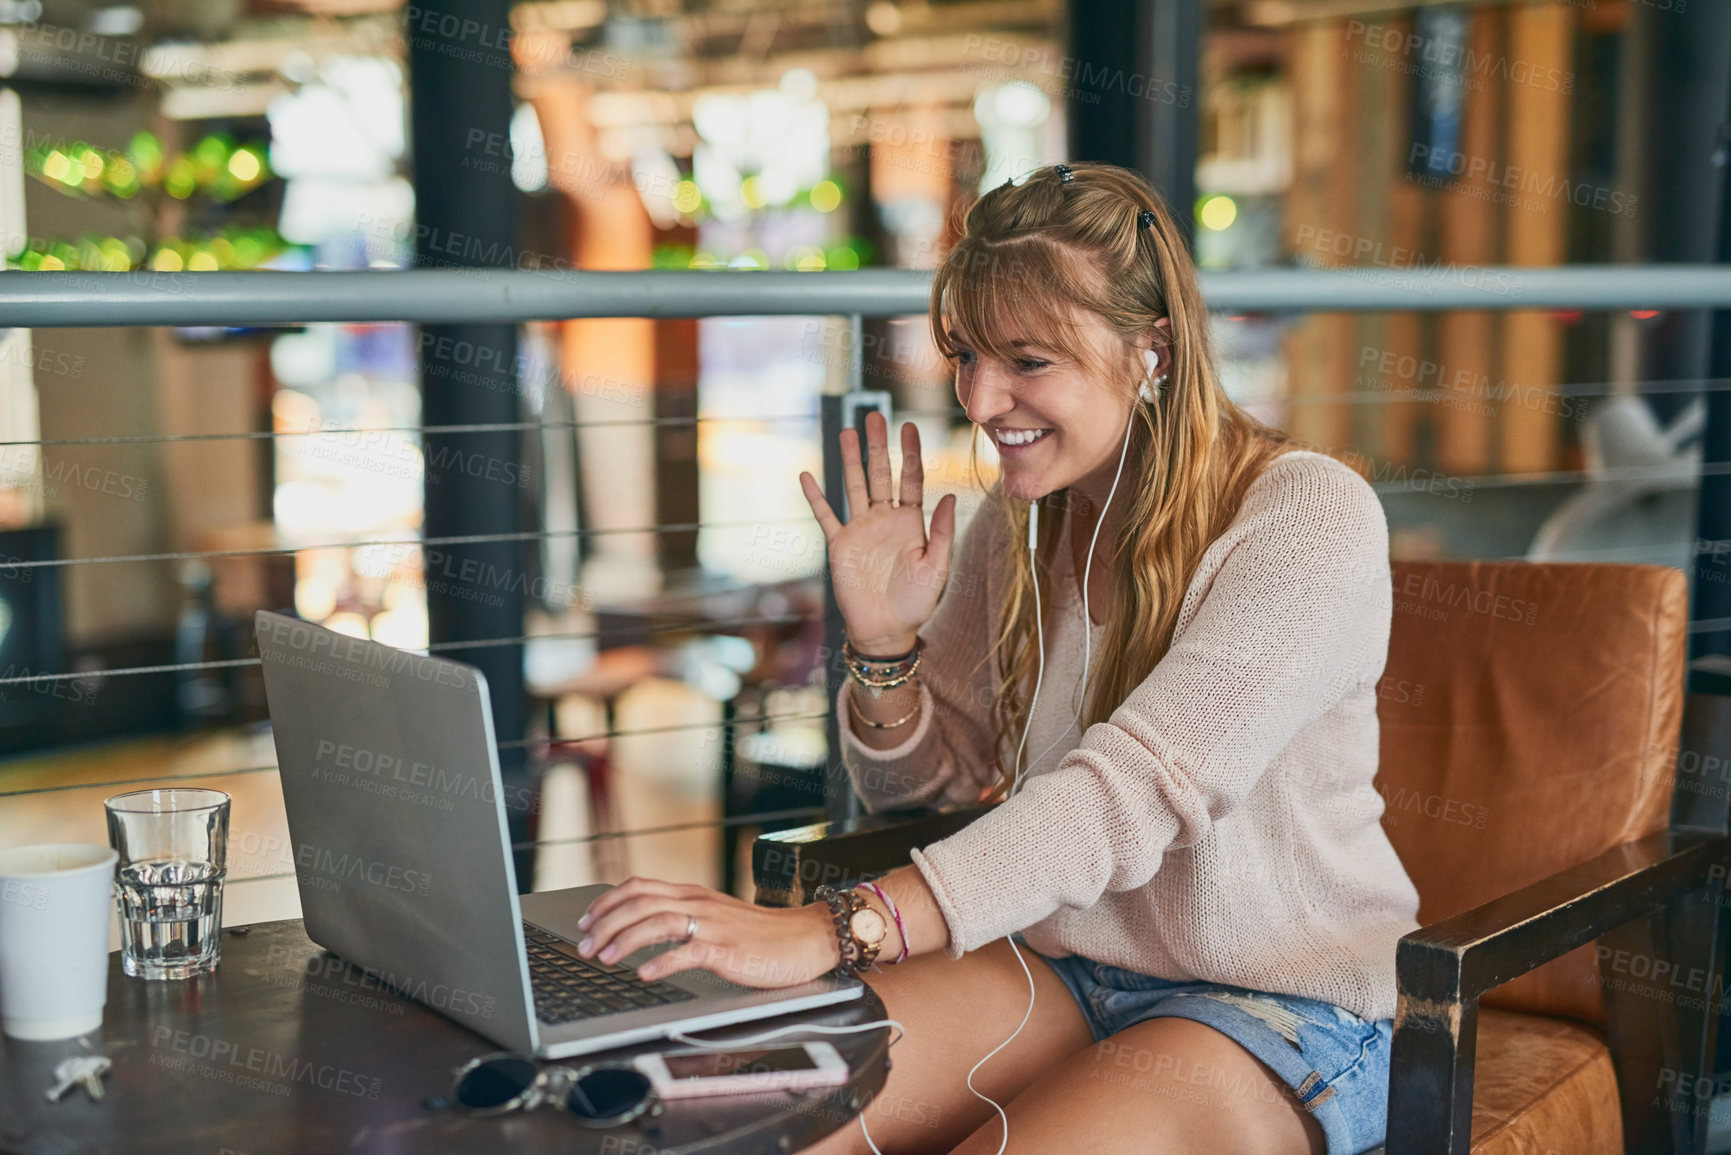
[[659, 610]]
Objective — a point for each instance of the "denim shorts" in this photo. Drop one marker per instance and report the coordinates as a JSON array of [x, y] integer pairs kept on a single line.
[[1334, 1061]]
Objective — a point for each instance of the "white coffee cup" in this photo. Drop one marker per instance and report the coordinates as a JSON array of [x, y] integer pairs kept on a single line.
[[56, 900]]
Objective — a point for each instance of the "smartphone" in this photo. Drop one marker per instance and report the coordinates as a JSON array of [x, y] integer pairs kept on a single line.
[[696, 1072]]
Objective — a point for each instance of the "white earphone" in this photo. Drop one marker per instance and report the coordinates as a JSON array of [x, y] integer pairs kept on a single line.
[[1150, 386]]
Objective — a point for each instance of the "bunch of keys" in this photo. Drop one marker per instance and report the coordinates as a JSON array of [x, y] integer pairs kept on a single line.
[[79, 1071]]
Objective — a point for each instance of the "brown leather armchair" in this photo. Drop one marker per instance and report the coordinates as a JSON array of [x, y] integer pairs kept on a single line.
[[1560, 802]]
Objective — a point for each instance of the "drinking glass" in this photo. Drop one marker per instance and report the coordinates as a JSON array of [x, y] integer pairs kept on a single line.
[[173, 847]]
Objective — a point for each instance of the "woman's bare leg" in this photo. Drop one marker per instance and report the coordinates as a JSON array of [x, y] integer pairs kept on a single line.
[[1169, 1085], [955, 1011]]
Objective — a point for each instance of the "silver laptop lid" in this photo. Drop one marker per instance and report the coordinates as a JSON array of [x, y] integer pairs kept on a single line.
[[397, 820]]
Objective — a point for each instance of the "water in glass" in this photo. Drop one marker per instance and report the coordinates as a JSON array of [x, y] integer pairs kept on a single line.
[[170, 916]]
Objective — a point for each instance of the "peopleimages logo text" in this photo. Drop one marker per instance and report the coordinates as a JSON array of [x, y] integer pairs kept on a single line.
[[359, 652], [353, 867]]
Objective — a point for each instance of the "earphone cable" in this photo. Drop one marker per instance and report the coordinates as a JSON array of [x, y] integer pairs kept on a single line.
[[1087, 618], [1039, 644], [1026, 1015], [1039, 676]]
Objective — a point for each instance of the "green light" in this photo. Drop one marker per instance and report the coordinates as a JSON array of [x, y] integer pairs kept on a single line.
[[1217, 212], [181, 180], [121, 176], [211, 155], [825, 196], [245, 165], [687, 197], [248, 251], [73, 174], [115, 258], [145, 152]]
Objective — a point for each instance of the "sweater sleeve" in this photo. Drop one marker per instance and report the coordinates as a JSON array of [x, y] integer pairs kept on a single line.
[[947, 756], [1296, 615]]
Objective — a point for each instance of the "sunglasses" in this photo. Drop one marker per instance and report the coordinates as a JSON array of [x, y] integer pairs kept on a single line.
[[596, 1095]]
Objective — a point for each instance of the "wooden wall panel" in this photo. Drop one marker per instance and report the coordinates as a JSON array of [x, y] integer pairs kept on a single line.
[[1318, 211], [1467, 234], [1390, 210], [1540, 68]]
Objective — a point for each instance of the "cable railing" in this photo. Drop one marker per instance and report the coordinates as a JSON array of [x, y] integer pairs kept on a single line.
[[450, 296], [1405, 394], [145, 298]]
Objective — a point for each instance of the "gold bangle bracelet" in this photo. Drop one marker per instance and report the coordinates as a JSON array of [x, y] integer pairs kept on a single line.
[[901, 721]]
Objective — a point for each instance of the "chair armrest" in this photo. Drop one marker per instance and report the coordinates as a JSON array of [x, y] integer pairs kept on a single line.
[[1442, 969], [788, 865]]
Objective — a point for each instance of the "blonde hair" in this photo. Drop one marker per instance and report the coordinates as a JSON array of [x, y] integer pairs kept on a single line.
[[1031, 258]]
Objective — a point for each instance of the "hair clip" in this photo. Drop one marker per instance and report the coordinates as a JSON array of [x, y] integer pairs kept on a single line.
[[1065, 175], [1145, 218]]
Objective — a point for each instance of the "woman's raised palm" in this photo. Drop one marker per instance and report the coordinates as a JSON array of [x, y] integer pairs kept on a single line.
[[887, 573]]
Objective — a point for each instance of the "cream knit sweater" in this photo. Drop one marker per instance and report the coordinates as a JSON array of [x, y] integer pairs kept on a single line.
[[1222, 824]]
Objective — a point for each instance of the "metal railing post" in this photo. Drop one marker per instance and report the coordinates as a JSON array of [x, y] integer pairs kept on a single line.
[[839, 797], [841, 412], [469, 371], [1711, 571]]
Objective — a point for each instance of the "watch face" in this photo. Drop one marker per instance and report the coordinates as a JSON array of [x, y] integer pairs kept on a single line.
[[869, 925]]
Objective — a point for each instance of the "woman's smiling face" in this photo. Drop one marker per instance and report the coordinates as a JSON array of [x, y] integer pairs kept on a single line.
[[1055, 422]]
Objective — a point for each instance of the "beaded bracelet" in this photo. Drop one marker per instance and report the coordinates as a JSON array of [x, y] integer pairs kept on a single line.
[[895, 914], [842, 906], [882, 673], [856, 656], [882, 679], [880, 665], [901, 721]]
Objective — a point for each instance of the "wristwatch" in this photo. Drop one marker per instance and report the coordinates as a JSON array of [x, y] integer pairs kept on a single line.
[[860, 930]]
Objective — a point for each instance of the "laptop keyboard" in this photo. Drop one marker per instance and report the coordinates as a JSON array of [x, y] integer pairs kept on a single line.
[[568, 988]]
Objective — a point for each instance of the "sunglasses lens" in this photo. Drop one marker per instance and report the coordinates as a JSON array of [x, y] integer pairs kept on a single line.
[[494, 1083], [608, 1093]]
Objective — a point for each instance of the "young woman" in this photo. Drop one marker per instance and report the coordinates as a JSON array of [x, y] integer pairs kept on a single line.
[[1168, 680]]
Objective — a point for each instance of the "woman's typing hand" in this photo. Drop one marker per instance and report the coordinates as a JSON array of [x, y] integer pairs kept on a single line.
[[886, 571], [754, 946]]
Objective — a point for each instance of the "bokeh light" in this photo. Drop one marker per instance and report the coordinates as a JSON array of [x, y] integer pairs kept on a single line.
[[1217, 212]]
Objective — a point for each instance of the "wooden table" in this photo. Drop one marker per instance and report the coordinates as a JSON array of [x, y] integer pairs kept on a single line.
[[286, 1049]]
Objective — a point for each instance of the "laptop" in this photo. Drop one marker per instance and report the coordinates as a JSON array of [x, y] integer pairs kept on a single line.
[[396, 816]]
